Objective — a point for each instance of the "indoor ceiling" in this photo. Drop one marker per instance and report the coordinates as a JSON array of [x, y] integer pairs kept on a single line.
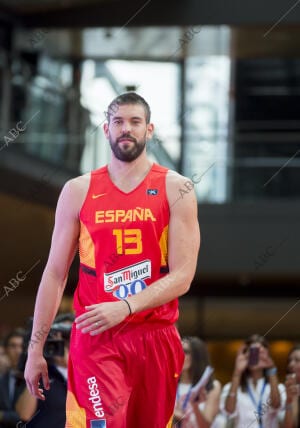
[[108, 13], [34, 6]]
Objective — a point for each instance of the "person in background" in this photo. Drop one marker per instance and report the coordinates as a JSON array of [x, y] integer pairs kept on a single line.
[[291, 414], [200, 413], [253, 397], [4, 361], [52, 412], [11, 385]]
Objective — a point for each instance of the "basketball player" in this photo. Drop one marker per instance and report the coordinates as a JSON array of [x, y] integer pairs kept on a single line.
[[136, 227]]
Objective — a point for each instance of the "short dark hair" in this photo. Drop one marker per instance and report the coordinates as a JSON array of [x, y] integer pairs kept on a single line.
[[128, 98], [12, 334]]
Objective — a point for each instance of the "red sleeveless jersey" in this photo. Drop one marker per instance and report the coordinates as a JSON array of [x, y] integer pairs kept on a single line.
[[123, 243]]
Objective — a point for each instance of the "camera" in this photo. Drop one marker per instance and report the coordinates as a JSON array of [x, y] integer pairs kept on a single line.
[[55, 347], [253, 355], [58, 335]]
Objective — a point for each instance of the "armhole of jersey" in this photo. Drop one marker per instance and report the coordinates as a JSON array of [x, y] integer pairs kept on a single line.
[[166, 193], [86, 196]]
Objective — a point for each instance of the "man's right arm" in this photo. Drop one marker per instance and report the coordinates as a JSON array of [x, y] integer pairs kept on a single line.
[[63, 247]]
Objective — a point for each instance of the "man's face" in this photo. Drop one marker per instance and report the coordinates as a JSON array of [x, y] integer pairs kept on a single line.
[[128, 131], [14, 350]]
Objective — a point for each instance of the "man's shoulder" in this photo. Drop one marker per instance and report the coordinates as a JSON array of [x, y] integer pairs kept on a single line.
[[83, 181], [78, 185], [174, 178], [74, 193], [80, 179], [171, 174], [178, 186]]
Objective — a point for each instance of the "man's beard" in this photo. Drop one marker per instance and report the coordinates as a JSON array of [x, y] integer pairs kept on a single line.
[[127, 152]]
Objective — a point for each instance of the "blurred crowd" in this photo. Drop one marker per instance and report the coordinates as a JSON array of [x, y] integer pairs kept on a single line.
[[18, 408], [254, 397]]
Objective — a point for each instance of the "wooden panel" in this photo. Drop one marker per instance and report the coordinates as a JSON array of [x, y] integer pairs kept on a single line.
[[249, 42]]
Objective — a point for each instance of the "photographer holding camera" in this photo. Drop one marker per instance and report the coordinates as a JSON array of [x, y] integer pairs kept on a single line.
[[11, 381], [254, 397], [50, 413]]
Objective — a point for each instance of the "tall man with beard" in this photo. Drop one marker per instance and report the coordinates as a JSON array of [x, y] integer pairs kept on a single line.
[[138, 246]]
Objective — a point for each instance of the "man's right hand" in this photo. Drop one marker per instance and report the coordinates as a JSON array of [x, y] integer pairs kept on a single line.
[[35, 370]]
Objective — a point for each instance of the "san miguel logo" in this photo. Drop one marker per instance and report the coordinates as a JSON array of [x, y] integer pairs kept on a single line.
[[125, 276]]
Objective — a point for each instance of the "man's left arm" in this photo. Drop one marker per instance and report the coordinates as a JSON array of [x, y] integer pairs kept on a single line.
[[183, 248]]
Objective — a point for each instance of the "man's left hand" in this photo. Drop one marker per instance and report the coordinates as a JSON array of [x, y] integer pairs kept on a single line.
[[101, 317]]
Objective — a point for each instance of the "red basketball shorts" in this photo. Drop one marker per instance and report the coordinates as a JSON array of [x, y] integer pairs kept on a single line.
[[125, 377]]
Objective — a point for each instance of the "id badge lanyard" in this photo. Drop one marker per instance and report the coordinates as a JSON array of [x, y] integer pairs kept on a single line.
[[259, 404], [185, 403]]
